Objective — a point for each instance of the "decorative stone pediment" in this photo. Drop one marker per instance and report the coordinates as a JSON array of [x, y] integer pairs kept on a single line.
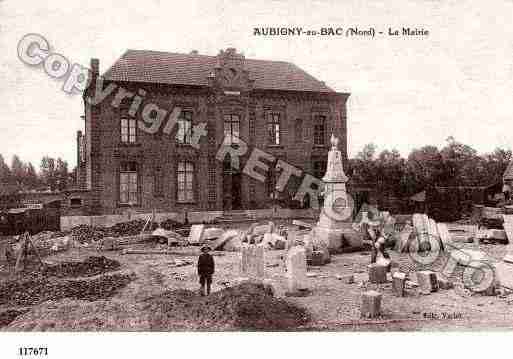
[[229, 74]]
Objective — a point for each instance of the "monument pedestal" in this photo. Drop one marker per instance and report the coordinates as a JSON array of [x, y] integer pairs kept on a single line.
[[334, 228], [333, 238]]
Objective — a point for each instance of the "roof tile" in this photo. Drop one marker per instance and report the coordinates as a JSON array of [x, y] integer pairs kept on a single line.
[[193, 69]]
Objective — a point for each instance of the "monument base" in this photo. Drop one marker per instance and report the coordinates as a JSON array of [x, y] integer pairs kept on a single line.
[[335, 239]]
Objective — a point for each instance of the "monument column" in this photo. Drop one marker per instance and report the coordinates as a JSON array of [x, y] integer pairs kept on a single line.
[[335, 220]]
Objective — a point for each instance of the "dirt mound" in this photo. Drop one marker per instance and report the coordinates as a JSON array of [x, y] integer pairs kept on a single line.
[[6, 317], [79, 315], [37, 290], [89, 267], [243, 307]]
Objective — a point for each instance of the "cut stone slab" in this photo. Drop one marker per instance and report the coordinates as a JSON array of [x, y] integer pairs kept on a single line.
[[508, 226], [219, 243], [317, 258], [252, 264], [371, 304], [445, 236], [398, 283], [212, 233], [196, 234], [467, 256], [302, 224], [377, 273], [444, 283], [428, 282], [296, 269], [504, 273]]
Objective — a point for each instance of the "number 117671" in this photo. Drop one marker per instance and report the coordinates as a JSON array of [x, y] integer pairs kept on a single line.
[[32, 351]]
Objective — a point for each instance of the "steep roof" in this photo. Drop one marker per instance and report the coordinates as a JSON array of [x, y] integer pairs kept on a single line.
[[193, 69], [508, 174]]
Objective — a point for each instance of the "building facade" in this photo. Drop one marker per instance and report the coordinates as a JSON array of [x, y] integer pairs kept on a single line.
[[144, 147]]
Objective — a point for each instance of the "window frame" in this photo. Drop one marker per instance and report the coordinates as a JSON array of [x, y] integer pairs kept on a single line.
[[184, 132], [232, 139], [187, 169], [274, 136], [132, 178], [319, 130], [130, 136]]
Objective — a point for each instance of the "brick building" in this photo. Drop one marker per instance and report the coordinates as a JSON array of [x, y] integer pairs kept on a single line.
[[124, 161]]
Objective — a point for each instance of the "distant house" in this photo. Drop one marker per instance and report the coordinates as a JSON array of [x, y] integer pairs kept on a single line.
[[9, 195], [508, 174]]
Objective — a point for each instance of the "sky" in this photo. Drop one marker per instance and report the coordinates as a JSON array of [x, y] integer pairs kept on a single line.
[[406, 92]]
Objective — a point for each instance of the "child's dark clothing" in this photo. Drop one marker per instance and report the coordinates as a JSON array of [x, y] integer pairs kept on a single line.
[[205, 270]]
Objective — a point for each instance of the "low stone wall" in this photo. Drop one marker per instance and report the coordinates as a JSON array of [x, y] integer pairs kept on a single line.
[[68, 222]]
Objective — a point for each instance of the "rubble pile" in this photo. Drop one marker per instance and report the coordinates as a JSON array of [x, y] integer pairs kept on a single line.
[[91, 266], [87, 234], [247, 306], [170, 224], [130, 228], [36, 290]]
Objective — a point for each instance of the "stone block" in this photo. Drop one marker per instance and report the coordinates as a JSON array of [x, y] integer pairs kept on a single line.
[[296, 269], [444, 283], [196, 233], [317, 258], [371, 304], [252, 263], [377, 273], [212, 233], [398, 283], [427, 281]]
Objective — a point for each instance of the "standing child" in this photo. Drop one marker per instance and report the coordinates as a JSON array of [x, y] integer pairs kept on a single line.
[[205, 269]]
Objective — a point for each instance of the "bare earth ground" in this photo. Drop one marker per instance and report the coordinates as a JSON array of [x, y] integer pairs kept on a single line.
[[333, 304]]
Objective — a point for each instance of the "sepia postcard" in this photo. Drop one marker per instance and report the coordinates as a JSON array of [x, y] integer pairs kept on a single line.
[[175, 168]]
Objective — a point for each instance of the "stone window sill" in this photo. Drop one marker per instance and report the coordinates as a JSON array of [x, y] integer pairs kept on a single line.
[[128, 205], [125, 144]]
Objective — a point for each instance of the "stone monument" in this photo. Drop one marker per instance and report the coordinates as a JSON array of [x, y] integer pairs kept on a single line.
[[296, 269], [335, 221], [252, 263]]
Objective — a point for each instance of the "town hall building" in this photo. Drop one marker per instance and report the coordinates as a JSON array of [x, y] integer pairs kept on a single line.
[[140, 148]]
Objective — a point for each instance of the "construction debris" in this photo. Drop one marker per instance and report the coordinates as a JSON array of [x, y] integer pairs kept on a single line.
[[377, 273], [371, 304], [444, 283], [428, 282], [37, 290], [91, 266], [398, 283]]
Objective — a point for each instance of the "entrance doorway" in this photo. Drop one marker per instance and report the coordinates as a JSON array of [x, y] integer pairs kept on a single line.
[[232, 188]]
